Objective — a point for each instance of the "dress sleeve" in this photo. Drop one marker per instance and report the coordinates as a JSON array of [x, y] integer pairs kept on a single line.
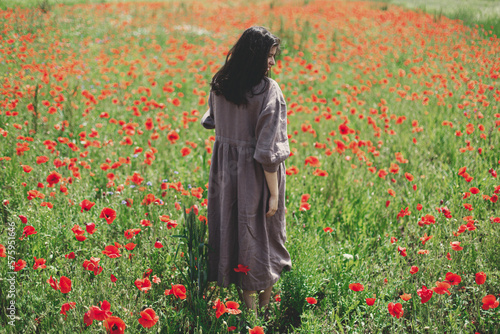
[[272, 141]]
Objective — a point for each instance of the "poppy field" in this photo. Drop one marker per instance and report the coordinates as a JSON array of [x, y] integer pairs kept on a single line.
[[393, 216]]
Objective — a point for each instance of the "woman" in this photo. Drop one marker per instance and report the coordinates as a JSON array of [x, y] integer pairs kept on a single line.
[[246, 195]]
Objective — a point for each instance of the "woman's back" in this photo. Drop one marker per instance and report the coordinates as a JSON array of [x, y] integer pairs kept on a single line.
[[238, 122]]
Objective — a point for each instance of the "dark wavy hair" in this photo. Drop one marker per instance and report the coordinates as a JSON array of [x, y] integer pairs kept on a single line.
[[245, 66]]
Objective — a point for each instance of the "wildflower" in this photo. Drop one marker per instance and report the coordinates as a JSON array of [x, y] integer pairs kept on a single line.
[[232, 307], [178, 290], [452, 278], [489, 301], [311, 300], [108, 214], [143, 284], [424, 294], [396, 310], [242, 269], [220, 308], [114, 325], [480, 278], [148, 318], [356, 287]]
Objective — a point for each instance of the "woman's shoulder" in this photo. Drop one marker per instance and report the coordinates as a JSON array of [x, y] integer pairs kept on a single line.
[[274, 90]]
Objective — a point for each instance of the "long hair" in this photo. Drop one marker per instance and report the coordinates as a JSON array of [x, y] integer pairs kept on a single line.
[[245, 66]]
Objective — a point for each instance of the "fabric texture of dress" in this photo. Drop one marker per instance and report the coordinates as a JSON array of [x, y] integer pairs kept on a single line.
[[249, 139]]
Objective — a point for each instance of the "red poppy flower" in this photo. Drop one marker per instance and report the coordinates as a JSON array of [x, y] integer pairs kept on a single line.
[[356, 287], [41, 159], [148, 318], [19, 265], [86, 205], [402, 251], [219, 307], [111, 251], [405, 296], [53, 178], [311, 300], [91, 264], [98, 313], [156, 279], [146, 222], [171, 224], [130, 246], [312, 161], [129, 234], [77, 230], [424, 294], [70, 255], [425, 238], [108, 214], [256, 330], [305, 197], [427, 220], [2, 251], [147, 273], [90, 228], [242, 269], [158, 244], [27, 231], [480, 278], [185, 151], [455, 245], [53, 283], [129, 202], [24, 220], [413, 270], [396, 310], [113, 278], [328, 229], [143, 284], [304, 206], [39, 263], [64, 284], [489, 301], [173, 136], [66, 307], [441, 288], [320, 172], [370, 301], [453, 279], [232, 307], [178, 290], [474, 190], [419, 207], [114, 325]]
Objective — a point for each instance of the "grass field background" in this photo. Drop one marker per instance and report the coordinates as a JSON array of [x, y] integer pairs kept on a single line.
[[392, 185]]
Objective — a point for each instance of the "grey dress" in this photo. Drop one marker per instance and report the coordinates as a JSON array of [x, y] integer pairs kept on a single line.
[[249, 139]]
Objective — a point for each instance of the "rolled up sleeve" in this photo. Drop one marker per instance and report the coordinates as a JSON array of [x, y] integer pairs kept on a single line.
[[272, 146]]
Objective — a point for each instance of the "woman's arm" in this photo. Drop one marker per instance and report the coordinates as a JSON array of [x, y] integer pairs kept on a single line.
[[272, 184]]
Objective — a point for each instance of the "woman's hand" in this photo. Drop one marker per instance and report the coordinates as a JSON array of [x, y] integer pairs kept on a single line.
[[273, 206]]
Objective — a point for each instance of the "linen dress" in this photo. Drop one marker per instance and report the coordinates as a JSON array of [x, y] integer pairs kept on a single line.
[[249, 139]]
